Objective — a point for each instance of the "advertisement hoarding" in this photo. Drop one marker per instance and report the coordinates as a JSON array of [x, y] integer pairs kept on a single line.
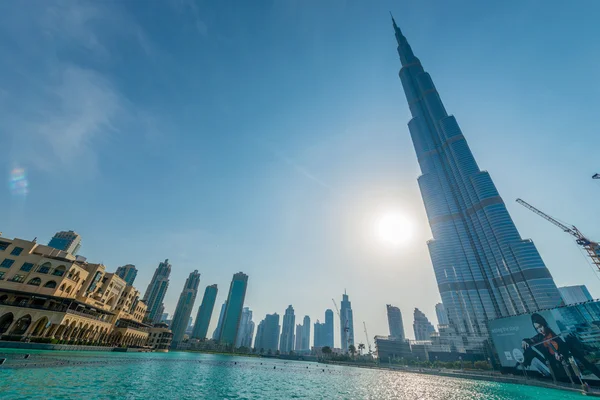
[[563, 342]]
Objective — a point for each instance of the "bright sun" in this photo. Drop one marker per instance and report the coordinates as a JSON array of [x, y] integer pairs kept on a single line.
[[394, 229]]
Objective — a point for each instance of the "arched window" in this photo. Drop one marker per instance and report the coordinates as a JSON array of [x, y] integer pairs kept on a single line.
[[62, 287], [5, 322], [50, 284], [35, 282], [44, 268], [69, 290], [59, 271], [21, 325]]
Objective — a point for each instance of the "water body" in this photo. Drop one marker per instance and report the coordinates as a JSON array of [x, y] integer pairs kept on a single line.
[[91, 375]]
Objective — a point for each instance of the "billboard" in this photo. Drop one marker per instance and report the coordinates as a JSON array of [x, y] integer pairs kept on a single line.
[[562, 342]]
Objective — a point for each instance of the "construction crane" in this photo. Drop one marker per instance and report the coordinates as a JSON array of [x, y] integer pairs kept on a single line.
[[367, 335], [342, 322], [592, 248]]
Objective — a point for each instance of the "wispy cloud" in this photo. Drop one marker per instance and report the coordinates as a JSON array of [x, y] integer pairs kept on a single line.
[[300, 169], [63, 104]]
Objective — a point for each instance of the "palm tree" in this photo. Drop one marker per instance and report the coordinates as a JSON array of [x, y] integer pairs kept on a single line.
[[361, 347], [352, 350]]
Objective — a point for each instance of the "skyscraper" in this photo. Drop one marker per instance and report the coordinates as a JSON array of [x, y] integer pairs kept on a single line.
[[286, 343], [181, 318], [217, 333], [421, 325], [327, 333], [305, 342], [575, 294], [128, 273], [299, 335], [246, 330], [346, 323], [233, 311], [155, 294], [205, 312], [440, 311], [68, 241], [484, 269], [319, 335], [267, 335], [395, 322]]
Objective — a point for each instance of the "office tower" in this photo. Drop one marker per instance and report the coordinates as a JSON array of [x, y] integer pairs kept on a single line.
[[319, 333], [233, 311], [440, 311], [164, 317], [181, 318], [286, 343], [422, 327], [575, 294], [68, 241], [267, 335], [217, 332], [305, 342], [327, 333], [299, 336], [205, 312], [128, 273], [484, 269], [246, 330], [155, 294], [346, 323], [395, 322]]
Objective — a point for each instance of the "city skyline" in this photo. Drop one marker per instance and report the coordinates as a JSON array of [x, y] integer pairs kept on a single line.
[[320, 182]]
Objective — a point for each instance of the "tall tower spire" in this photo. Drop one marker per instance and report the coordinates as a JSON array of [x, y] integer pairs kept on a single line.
[[484, 269]]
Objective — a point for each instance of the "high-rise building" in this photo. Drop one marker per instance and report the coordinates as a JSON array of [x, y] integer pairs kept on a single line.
[[299, 335], [164, 316], [155, 294], [128, 273], [346, 324], [484, 269], [286, 343], [68, 241], [217, 333], [421, 325], [267, 335], [395, 322], [575, 294], [246, 330], [181, 318], [205, 312], [440, 311], [233, 311], [319, 333], [328, 331], [305, 342]]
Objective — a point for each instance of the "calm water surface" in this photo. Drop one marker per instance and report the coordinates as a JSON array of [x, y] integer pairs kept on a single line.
[[88, 375]]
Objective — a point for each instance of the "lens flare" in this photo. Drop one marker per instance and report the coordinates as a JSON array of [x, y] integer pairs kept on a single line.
[[18, 184]]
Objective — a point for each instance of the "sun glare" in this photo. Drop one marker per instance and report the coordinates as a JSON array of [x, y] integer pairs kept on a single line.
[[394, 229]]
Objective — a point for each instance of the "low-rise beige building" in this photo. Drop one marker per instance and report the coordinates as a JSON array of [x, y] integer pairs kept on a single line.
[[48, 294], [160, 337]]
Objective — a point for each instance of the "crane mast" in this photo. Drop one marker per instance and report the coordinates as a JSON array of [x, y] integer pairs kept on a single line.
[[367, 335], [591, 247], [342, 322]]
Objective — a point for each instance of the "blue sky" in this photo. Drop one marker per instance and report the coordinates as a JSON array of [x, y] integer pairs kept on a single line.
[[267, 136]]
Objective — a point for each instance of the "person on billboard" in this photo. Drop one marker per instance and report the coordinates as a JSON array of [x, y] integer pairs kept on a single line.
[[554, 348]]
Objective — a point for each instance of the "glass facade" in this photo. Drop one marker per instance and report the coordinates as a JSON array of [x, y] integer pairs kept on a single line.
[[233, 310], [205, 312], [155, 294], [484, 269], [184, 308]]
